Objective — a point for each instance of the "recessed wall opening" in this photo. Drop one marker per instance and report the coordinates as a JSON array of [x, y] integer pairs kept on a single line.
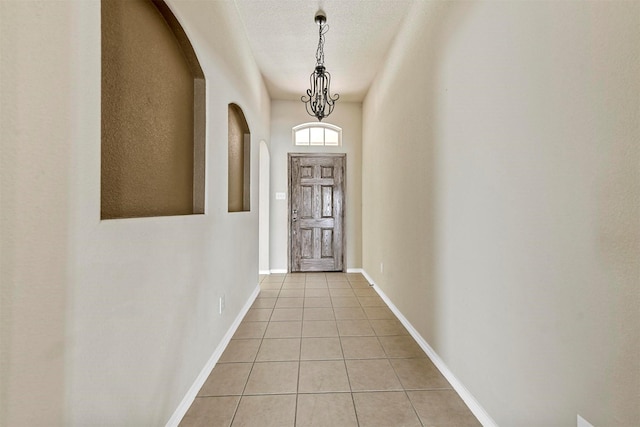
[[153, 113], [239, 178]]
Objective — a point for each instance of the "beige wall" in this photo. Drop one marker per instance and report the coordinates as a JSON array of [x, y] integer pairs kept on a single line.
[[35, 207], [284, 116], [513, 248], [110, 322]]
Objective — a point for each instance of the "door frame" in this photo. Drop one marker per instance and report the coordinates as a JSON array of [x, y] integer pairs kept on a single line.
[[344, 203]]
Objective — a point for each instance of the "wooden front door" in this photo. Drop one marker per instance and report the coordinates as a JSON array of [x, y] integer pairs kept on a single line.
[[316, 212]]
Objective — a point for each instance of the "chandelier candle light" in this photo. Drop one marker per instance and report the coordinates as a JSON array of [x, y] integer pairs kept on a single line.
[[318, 101]]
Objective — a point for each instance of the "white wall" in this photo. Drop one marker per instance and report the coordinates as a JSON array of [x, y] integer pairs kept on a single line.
[[110, 322], [284, 116], [514, 248], [265, 194]]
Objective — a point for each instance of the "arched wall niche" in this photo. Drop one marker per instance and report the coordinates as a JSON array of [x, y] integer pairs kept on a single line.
[[239, 179], [153, 113]]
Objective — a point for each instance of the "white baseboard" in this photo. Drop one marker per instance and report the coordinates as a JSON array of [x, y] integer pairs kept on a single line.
[[473, 405], [583, 423], [370, 280], [274, 271], [188, 399], [280, 271]]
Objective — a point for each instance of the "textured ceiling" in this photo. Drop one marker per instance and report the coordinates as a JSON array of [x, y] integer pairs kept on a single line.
[[283, 37]]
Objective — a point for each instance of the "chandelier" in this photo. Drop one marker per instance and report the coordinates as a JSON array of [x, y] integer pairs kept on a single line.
[[318, 100]]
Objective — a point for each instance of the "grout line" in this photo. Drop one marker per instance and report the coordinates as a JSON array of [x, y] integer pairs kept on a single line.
[[415, 411], [295, 413], [235, 412]]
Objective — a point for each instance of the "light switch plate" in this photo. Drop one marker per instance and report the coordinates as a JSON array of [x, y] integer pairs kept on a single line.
[[281, 196]]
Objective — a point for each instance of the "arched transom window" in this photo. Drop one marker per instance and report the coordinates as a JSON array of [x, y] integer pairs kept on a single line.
[[317, 134]]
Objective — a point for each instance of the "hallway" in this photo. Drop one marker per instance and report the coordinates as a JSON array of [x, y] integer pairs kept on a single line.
[[322, 349]]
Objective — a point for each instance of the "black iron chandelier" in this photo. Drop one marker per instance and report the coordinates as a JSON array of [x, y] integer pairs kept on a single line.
[[318, 100]]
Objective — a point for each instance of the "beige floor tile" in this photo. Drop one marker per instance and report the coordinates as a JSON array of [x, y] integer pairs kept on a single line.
[[401, 346], [284, 330], [296, 277], [326, 410], [289, 302], [283, 314], [240, 351], [378, 313], [362, 348], [325, 368], [341, 292], [273, 378], [250, 330], [385, 409], [345, 302], [268, 293], [273, 279], [316, 276], [349, 313], [317, 302], [264, 303], [419, 374], [371, 302], [316, 285], [356, 277], [336, 277], [372, 375], [293, 285], [319, 328], [266, 411], [316, 292], [354, 328], [210, 411], [365, 292], [442, 408], [279, 349], [291, 293], [388, 327], [338, 285], [226, 379], [318, 313], [320, 349], [323, 376], [270, 286], [258, 315], [360, 285]]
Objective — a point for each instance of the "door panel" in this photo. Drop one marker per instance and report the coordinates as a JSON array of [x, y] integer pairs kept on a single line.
[[316, 188]]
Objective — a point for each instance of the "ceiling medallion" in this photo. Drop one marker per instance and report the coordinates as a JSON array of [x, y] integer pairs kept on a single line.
[[318, 100]]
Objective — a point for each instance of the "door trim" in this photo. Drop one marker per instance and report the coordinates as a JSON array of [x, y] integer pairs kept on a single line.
[[344, 203]]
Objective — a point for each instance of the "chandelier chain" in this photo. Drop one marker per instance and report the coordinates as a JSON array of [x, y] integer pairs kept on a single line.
[[320, 51]]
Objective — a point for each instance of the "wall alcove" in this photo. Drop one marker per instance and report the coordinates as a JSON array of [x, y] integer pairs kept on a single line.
[[153, 113], [239, 179]]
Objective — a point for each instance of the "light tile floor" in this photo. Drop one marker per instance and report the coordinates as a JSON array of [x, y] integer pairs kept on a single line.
[[323, 349]]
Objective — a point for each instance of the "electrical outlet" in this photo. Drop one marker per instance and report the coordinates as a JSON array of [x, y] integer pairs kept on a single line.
[[221, 304], [381, 267]]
